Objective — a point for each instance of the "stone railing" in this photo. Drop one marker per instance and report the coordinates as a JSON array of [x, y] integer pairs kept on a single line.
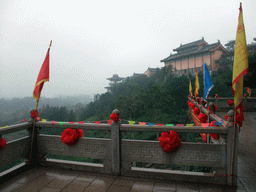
[[249, 104], [118, 154]]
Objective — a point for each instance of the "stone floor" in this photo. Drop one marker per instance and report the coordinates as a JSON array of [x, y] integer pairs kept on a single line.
[[53, 180]]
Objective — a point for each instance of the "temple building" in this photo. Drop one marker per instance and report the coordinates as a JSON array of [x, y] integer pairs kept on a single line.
[[114, 81], [150, 71], [191, 56]]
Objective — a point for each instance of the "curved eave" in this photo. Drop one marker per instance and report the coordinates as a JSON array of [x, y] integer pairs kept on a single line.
[[218, 47]]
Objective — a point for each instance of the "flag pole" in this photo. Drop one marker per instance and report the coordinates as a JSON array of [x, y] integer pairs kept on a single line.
[[42, 77]]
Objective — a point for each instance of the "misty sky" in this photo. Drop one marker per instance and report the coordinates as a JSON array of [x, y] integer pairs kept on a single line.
[[92, 40]]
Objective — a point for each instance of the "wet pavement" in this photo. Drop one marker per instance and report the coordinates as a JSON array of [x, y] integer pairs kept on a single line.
[[247, 151]]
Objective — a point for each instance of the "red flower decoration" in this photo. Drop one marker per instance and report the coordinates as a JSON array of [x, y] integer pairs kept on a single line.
[[34, 114], [214, 135], [169, 141], [226, 117], [205, 102], [2, 143], [230, 102], [192, 105], [80, 132], [196, 111], [199, 100], [216, 96], [202, 117], [245, 95], [214, 108], [70, 136], [114, 117]]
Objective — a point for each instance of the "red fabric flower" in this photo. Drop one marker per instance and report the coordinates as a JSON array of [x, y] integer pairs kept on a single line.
[[199, 100], [34, 114], [70, 136], [245, 95], [196, 111], [80, 132], [114, 116], [226, 117], [216, 96], [214, 108], [214, 135], [169, 141], [192, 105], [2, 143], [230, 102], [202, 117]]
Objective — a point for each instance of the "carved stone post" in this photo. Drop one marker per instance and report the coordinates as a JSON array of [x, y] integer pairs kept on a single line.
[[232, 143], [211, 105], [202, 102], [245, 104], [116, 146], [33, 150]]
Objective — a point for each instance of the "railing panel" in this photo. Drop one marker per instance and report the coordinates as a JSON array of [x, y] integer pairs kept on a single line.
[[85, 147], [198, 154], [14, 150], [14, 128], [85, 126], [184, 129]]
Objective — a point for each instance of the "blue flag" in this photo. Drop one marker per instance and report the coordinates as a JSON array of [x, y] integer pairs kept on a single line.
[[207, 82]]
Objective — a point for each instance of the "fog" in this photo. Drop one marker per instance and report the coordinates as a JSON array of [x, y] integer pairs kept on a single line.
[[92, 40]]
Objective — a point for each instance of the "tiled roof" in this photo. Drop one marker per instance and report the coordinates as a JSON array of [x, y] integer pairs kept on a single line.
[[189, 44], [194, 52], [115, 78]]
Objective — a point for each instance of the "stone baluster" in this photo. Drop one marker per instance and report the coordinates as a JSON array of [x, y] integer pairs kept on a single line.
[[116, 146], [232, 143]]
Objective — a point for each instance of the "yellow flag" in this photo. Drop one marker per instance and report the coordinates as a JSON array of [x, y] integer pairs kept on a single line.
[[240, 68], [197, 87], [190, 88]]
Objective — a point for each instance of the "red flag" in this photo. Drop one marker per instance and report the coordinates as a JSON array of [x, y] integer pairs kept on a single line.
[[43, 76]]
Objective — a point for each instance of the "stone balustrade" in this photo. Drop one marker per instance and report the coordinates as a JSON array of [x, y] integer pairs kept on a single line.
[[118, 154]]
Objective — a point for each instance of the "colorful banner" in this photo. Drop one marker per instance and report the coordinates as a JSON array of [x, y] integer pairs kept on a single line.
[[44, 120], [189, 125], [205, 125], [142, 123], [131, 122], [110, 121], [151, 124], [5, 127], [62, 124], [53, 123], [169, 125], [98, 122]]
